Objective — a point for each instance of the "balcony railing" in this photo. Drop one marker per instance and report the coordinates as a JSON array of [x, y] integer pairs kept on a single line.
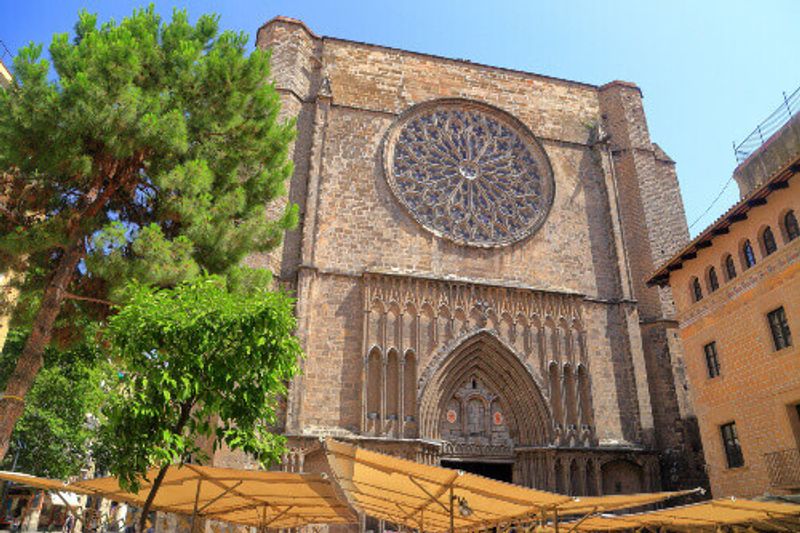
[[783, 468], [768, 127]]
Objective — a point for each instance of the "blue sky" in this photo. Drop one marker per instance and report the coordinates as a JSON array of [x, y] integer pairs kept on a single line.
[[710, 70]]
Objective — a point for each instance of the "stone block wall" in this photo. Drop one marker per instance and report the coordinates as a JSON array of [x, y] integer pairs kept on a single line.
[[616, 213]]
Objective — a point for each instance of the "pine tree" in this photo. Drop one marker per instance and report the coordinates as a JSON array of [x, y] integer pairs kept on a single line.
[[151, 155]]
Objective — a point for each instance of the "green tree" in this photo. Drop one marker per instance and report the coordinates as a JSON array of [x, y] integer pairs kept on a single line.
[[53, 438], [151, 155], [199, 362]]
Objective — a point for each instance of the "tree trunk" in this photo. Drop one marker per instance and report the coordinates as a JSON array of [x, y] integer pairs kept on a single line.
[[150, 497], [12, 403], [186, 410]]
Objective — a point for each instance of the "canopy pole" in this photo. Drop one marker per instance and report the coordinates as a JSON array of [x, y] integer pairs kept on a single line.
[[225, 491], [67, 505], [422, 520], [452, 519], [262, 527], [555, 519], [194, 510], [590, 514]]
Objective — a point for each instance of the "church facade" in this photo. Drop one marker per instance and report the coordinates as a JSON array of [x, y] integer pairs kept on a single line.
[[470, 269]]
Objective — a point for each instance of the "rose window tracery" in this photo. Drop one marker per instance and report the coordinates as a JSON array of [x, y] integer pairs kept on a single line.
[[469, 173]]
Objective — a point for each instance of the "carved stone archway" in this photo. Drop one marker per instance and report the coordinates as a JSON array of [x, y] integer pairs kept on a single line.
[[486, 358]]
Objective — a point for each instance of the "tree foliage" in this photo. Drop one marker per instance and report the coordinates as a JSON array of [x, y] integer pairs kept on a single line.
[[199, 362], [56, 435], [151, 155]]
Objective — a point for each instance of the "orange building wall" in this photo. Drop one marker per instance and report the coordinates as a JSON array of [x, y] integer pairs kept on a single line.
[[757, 384]]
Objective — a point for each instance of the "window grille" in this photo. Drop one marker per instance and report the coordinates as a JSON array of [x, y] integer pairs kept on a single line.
[[713, 282], [769, 242], [749, 256], [781, 335], [792, 228], [730, 267], [712, 361], [733, 450]]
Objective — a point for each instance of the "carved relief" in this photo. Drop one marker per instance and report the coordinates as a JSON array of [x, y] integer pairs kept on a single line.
[[475, 417]]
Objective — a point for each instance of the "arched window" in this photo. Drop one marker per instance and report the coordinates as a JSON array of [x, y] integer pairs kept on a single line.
[[748, 257], [730, 267], [697, 291], [768, 240], [792, 229], [713, 281]]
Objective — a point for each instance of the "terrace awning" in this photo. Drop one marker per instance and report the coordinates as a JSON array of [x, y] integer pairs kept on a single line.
[[247, 497], [33, 481], [705, 516], [427, 497]]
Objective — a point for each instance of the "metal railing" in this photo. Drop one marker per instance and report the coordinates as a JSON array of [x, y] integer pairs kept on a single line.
[[5, 53], [771, 124], [783, 468]]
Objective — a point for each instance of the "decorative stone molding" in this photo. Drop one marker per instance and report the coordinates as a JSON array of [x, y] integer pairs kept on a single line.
[[463, 449], [413, 326], [490, 300]]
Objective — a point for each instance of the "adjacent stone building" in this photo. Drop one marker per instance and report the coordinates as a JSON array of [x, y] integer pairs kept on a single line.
[[737, 291], [470, 269]]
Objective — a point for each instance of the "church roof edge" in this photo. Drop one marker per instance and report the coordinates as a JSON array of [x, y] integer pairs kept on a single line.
[[298, 22]]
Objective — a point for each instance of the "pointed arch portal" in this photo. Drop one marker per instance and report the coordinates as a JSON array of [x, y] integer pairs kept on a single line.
[[481, 386]]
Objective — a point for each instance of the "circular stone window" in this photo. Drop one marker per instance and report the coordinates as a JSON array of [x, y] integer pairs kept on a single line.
[[469, 173]]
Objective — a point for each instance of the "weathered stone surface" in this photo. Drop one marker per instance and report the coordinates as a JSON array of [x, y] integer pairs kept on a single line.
[[572, 356]]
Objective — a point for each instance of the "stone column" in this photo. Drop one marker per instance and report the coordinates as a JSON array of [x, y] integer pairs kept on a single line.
[[582, 488], [565, 475], [365, 346], [598, 477], [365, 394]]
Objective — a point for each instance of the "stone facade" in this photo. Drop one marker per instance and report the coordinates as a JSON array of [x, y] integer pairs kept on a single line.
[[751, 381], [544, 351]]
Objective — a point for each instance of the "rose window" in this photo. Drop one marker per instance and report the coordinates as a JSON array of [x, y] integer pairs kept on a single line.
[[469, 173]]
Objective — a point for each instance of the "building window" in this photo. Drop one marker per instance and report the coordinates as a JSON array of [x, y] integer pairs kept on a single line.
[[713, 282], [697, 291], [781, 335], [792, 229], [769, 241], [733, 450], [730, 267], [748, 256], [712, 362]]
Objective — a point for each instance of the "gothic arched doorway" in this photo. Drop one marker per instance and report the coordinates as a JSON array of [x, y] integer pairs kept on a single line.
[[482, 403]]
